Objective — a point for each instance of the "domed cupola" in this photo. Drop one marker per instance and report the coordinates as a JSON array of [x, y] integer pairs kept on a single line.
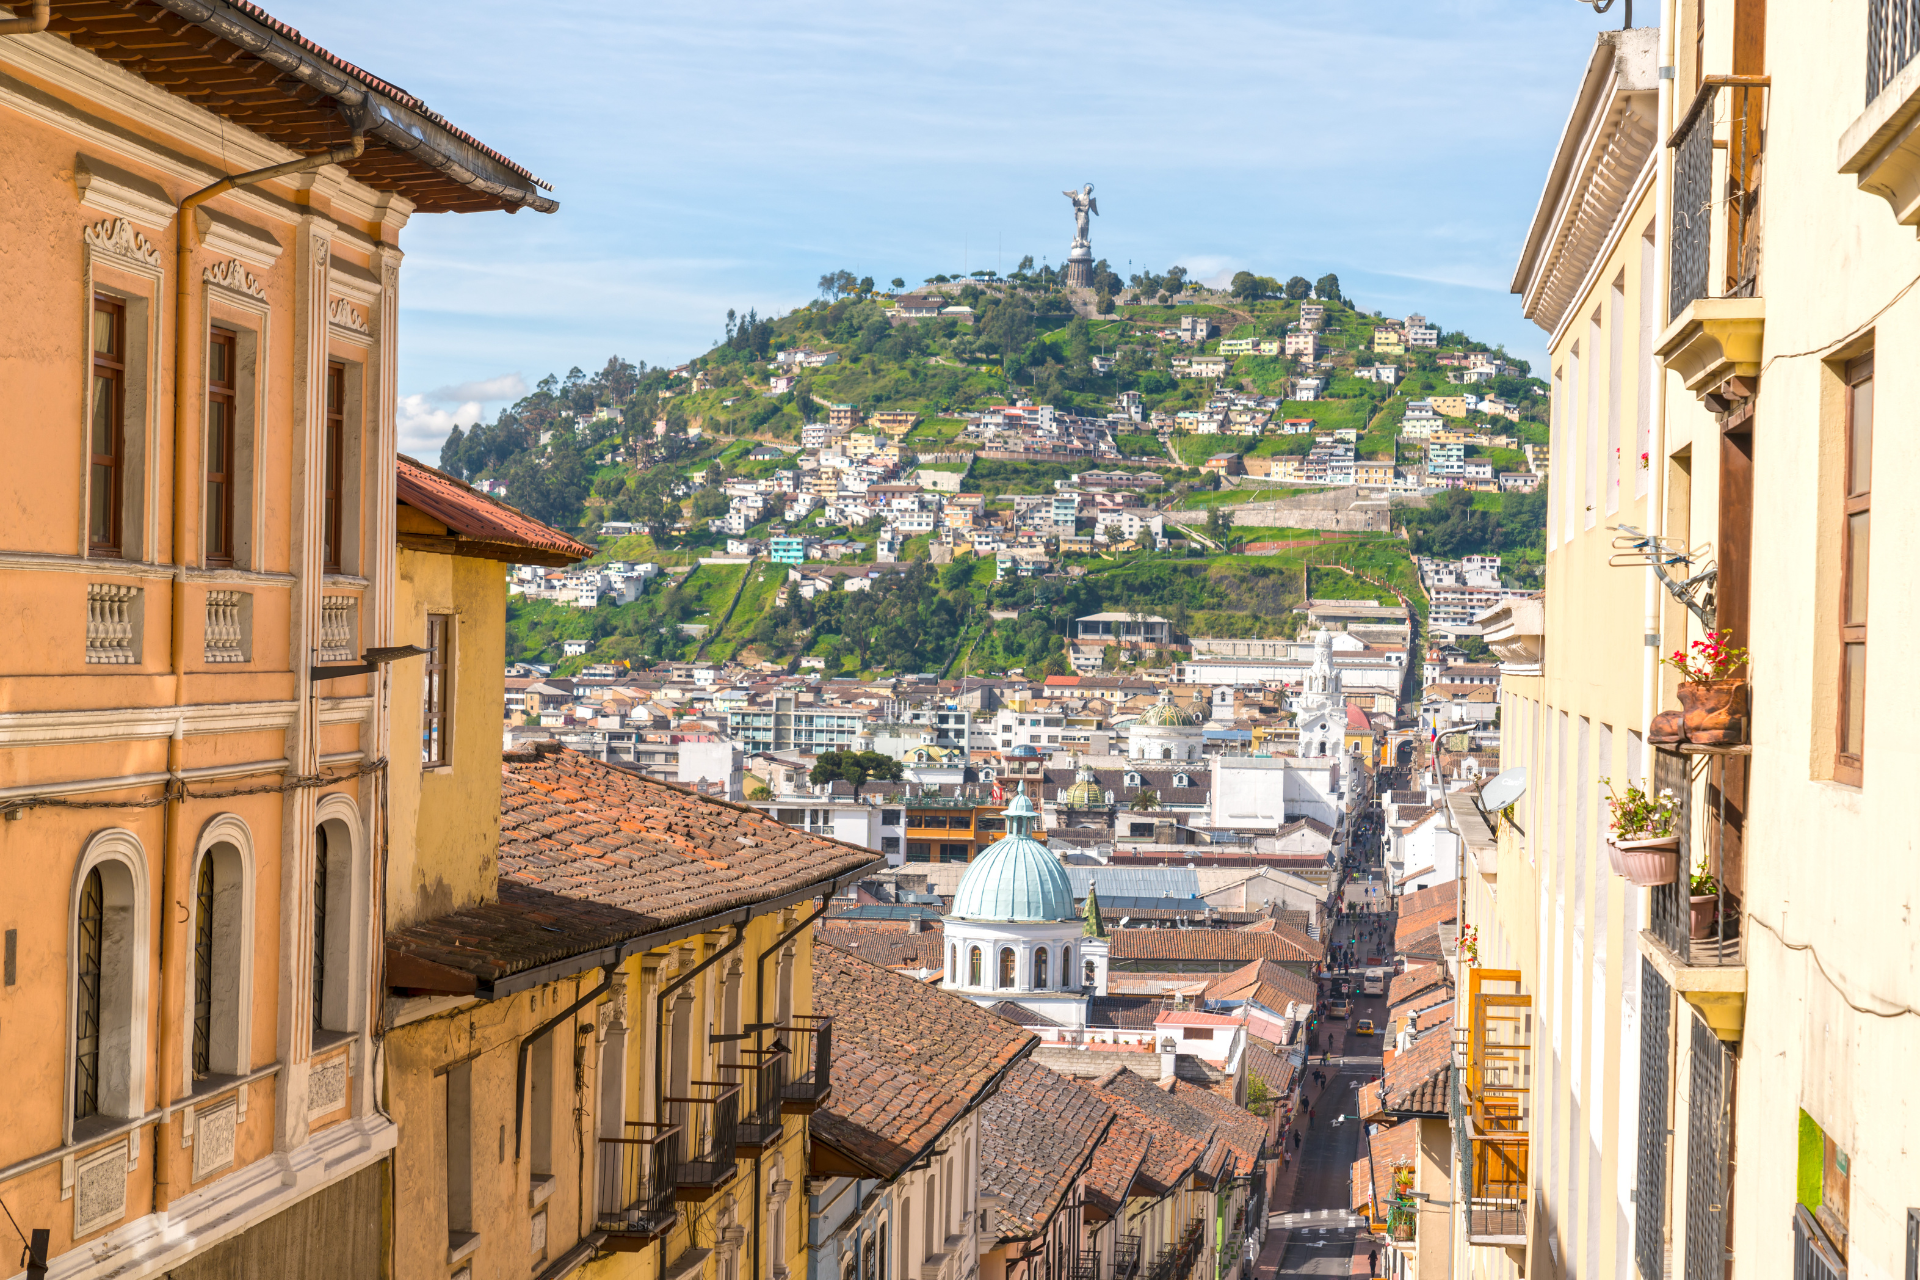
[[1167, 713], [1085, 793], [1015, 879]]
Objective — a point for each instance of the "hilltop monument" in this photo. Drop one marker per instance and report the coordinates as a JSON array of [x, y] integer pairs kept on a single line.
[[1080, 256]]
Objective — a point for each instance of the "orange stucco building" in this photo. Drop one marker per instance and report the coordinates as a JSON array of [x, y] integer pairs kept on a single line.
[[197, 520]]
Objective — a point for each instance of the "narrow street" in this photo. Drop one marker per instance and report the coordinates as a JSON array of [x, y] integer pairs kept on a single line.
[[1314, 1229]]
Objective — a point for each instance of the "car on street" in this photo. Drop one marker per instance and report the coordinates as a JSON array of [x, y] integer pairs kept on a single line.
[[1340, 1009], [1364, 1027]]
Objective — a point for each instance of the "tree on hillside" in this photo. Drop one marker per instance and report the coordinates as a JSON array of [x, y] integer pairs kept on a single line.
[[1327, 288], [837, 284], [899, 282], [1298, 288], [853, 767], [1026, 265]]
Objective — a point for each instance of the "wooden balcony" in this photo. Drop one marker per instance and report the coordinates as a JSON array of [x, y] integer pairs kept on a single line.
[[1494, 1120]]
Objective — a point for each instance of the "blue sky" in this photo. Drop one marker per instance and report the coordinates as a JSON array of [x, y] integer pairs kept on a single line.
[[709, 157]]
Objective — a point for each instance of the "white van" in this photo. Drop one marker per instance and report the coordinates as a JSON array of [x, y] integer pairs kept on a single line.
[[1374, 982]]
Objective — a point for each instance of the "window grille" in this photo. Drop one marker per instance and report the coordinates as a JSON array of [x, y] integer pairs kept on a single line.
[[1672, 914], [112, 623], [203, 970], [336, 629], [1815, 1259], [436, 707], [226, 639], [319, 926], [1893, 39], [1707, 1142], [91, 927], [1650, 1194]]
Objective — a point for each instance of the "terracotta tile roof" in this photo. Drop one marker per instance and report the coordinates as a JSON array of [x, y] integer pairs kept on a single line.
[[908, 1060], [1414, 982], [1182, 1137], [483, 525], [1293, 934], [1243, 1132], [1268, 1060], [1037, 1138], [1019, 1015], [887, 947], [1371, 1180], [591, 856], [1209, 944], [1419, 1080], [1440, 895], [1420, 921], [1116, 1163], [1189, 1018], [1267, 984], [1137, 1012]]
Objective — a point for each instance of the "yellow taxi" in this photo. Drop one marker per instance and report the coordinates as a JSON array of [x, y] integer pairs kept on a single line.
[[1364, 1027]]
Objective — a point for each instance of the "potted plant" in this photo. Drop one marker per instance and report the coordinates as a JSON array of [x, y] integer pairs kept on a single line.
[[1704, 899], [1713, 703], [1642, 846]]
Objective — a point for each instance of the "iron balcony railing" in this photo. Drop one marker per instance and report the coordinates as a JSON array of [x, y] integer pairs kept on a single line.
[[1126, 1257], [1718, 941], [1088, 1265], [1893, 39], [809, 1040], [1728, 115], [1166, 1263], [763, 1084], [636, 1188], [709, 1122]]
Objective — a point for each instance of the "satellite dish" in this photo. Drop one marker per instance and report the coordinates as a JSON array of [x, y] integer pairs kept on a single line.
[[1123, 921], [1505, 789]]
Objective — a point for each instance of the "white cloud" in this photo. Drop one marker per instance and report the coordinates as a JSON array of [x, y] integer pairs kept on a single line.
[[423, 428], [508, 386]]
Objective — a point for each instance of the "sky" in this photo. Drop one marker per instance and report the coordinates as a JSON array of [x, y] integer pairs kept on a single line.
[[707, 158]]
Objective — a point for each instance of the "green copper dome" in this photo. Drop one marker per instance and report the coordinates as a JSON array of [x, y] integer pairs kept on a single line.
[[1015, 878], [1167, 712], [1085, 793]]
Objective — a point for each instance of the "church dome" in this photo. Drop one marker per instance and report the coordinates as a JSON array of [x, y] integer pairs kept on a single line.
[[1015, 878], [1167, 713], [1085, 793]]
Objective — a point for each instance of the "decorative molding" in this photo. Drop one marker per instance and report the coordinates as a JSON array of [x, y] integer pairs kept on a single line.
[[343, 314], [233, 274], [327, 1087], [100, 1188], [215, 1131], [350, 280], [117, 237], [230, 237], [120, 724], [121, 194]]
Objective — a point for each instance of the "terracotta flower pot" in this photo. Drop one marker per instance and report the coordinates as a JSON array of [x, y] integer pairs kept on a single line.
[[1646, 862], [1715, 712], [1667, 727], [1705, 907]]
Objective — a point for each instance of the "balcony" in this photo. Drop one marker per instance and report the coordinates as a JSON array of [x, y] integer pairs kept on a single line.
[[1166, 1264], [763, 1082], [1716, 318], [635, 1196], [1881, 148], [709, 1124], [1701, 952], [1493, 1120], [1087, 1265], [809, 1040], [1126, 1258]]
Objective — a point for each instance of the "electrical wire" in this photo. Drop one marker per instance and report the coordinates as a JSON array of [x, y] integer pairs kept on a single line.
[[1851, 334], [1903, 1011]]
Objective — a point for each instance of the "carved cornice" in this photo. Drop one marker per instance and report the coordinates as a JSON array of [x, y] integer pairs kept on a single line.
[[117, 236], [233, 274], [344, 314]]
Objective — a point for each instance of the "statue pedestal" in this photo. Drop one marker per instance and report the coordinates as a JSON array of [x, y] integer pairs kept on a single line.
[[1080, 267]]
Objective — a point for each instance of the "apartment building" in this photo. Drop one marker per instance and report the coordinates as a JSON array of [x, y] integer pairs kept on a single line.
[[785, 723], [200, 351]]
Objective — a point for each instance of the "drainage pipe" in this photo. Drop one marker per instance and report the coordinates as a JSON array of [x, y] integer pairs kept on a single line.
[[38, 16]]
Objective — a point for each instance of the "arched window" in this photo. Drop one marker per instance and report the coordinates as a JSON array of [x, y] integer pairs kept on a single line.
[[220, 970], [1182, 780], [109, 981], [1087, 977], [338, 967], [1066, 965], [1040, 969], [1133, 779], [973, 969], [953, 963], [1166, 753], [1006, 967]]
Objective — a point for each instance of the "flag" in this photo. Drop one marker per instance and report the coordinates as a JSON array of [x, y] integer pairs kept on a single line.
[[999, 792]]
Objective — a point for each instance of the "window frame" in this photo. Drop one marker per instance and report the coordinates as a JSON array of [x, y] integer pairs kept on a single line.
[[221, 538], [436, 694], [113, 365], [333, 469], [1849, 767]]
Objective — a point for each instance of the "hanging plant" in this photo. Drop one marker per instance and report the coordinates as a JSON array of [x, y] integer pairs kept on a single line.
[[1642, 846]]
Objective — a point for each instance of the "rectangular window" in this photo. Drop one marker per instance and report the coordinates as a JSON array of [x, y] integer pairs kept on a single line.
[[1850, 737], [222, 396], [106, 429], [540, 1106], [333, 468], [1646, 404], [435, 714], [1590, 482], [459, 1153], [1616, 343]]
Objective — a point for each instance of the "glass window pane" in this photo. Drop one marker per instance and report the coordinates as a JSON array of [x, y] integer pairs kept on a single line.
[[217, 362], [1853, 735], [103, 332], [1857, 562], [103, 416], [1861, 446], [99, 505]]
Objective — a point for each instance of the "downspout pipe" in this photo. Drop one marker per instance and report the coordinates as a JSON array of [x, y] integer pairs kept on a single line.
[[173, 853], [532, 1037], [37, 18], [1657, 411]]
